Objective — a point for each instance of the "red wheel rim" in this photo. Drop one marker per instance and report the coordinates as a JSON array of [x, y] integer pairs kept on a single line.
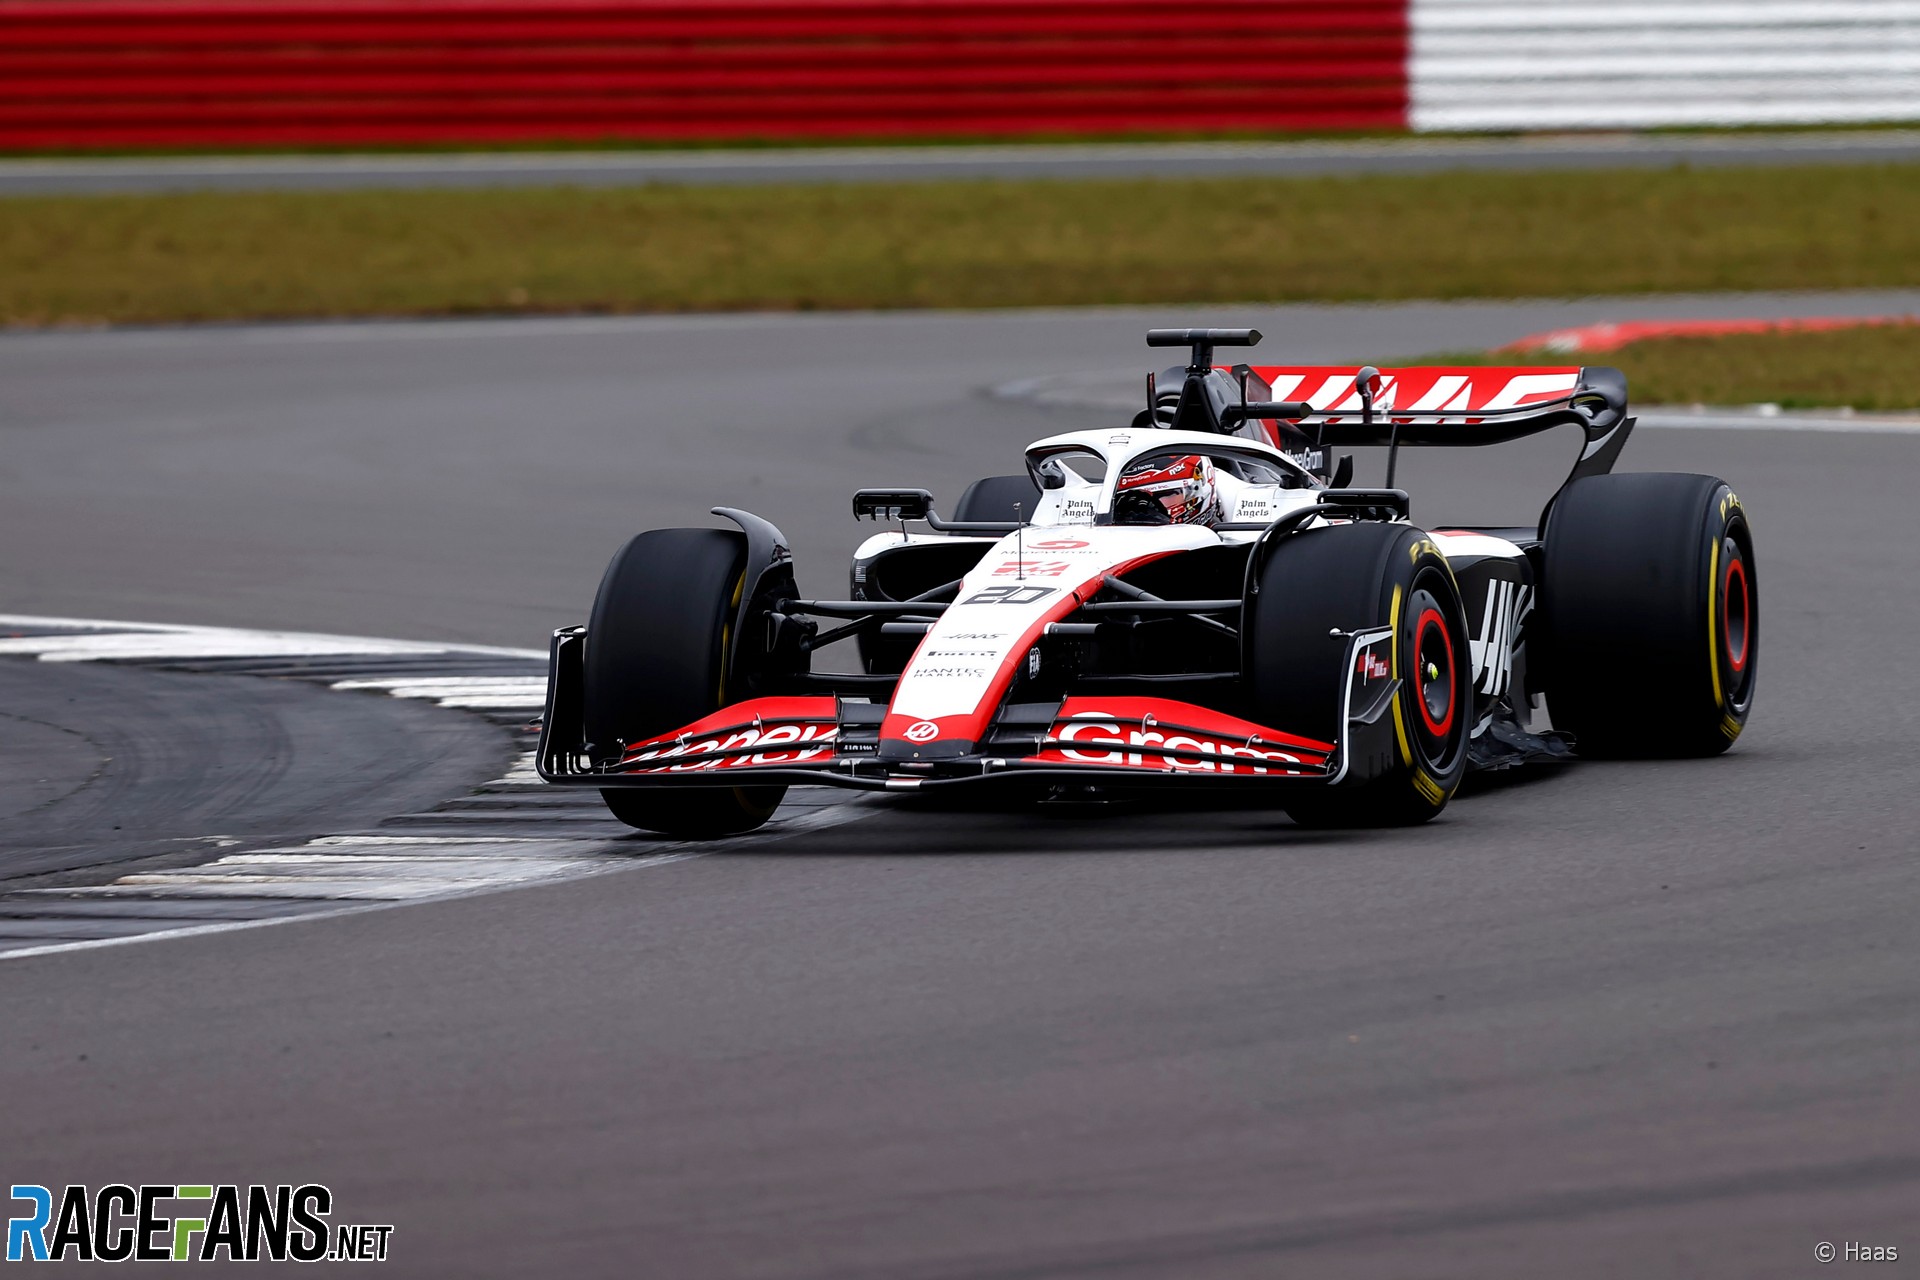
[[1441, 684], [1737, 636]]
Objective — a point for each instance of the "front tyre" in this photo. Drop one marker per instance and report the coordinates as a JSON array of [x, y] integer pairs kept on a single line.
[[1315, 589], [656, 659], [1651, 609]]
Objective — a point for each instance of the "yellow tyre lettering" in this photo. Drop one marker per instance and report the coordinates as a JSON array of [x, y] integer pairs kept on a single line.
[[1713, 609], [1425, 546], [1399, 722]]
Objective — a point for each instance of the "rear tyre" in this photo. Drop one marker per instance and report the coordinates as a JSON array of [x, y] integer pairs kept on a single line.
[[1651, 610], [1356, 577], [999, 498], [656, 659]]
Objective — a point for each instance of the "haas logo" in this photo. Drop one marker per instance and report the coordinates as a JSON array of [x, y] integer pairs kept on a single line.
[[1506, 610], [924, 731]]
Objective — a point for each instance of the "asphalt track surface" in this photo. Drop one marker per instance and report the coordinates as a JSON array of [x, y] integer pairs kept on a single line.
[[922, 163], [1613, 1019], [110, 763]]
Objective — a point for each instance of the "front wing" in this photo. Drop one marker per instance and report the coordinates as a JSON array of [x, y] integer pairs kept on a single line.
[[1123, 741]]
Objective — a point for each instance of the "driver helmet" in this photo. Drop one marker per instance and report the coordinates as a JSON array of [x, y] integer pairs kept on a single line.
[[1177, 491]]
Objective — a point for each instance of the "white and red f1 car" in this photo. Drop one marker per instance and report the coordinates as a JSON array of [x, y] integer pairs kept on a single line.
[[1194, 599]]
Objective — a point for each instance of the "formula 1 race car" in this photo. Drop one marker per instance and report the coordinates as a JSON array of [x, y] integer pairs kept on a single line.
[[1197, 599]]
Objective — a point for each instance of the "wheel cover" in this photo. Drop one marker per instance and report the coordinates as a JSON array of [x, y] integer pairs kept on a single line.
[[1433, 674], [1738, 608], [1433, 683]]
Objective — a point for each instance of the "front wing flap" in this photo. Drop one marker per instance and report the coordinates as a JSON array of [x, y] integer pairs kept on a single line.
[[1124, 741]]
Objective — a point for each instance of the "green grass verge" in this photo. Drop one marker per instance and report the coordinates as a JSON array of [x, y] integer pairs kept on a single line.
[[132, 259], [1873, 367]]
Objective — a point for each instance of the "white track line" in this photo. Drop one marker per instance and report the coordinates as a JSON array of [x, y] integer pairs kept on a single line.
[[522, 774], [605, 863], [105, 641], [478, 693], [435, 686], [348, 909], [116, 641]]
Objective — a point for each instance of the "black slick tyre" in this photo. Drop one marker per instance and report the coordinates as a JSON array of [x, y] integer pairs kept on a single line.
[[656, 659], [1316, 587], [999, 498], [1651, 608]]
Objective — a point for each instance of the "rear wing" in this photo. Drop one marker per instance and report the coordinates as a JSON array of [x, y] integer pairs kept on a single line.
[[1445, 406], [1315, 407]]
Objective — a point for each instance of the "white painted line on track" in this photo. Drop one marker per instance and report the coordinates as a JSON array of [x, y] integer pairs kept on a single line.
[[424, 686], [522, 774], [478, 689], [352, 908], [376, 842], [111, 646], [471, 692], [605, 862], [106, 641]]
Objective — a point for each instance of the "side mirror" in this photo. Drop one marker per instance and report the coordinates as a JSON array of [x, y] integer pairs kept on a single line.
[[1342, 472], [892, 504]]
